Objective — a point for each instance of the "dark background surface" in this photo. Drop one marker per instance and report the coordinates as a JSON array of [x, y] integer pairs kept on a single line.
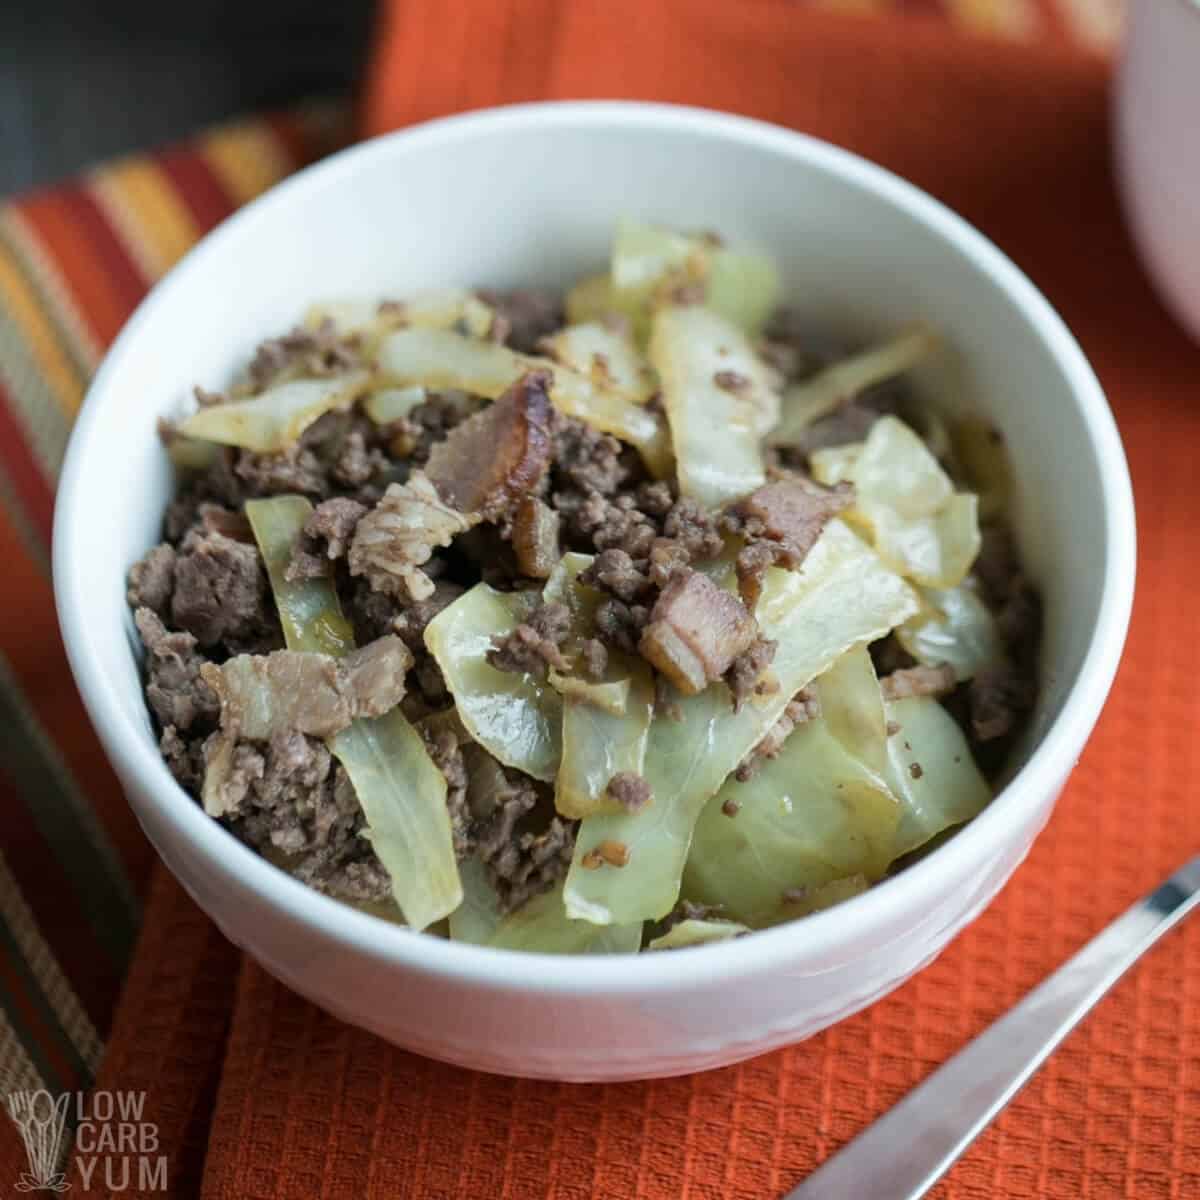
[[83, 80]]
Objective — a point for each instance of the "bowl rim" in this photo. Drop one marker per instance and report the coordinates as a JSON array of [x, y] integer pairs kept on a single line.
[[140, 766]]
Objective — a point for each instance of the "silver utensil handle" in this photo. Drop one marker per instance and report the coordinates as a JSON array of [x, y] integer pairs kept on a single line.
[[910, 1147]]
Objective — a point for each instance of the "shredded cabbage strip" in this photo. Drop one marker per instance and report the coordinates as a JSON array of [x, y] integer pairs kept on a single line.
[[439, 359], [515, 717], [811, 816], [843, 596], [399, 787]]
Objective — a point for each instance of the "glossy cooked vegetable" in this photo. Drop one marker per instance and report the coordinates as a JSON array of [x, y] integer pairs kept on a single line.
[[436, 358], [513, 716], [274, 419], [695, 931], [308, 608], [931, 772], [650, 265], [718, 399], [954, 626], [400, 789], [919, 524], [844, 596], [605, 723], [821, 394], [403, 798], [811, 816], [542, 924], [607, 356]]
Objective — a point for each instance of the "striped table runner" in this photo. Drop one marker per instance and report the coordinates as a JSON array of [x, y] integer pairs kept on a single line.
[[74, 262]]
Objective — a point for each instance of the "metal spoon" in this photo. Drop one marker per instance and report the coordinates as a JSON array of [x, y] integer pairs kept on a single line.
[[903, 1154]]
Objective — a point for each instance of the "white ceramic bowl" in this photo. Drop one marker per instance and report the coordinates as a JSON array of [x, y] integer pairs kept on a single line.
[[1156, 133], [530, 194]]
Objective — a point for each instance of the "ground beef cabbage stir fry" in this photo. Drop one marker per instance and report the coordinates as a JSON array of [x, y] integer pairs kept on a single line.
[[630, 618]]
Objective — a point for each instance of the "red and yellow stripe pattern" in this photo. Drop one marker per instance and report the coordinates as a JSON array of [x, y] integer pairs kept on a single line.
[[74, 262]]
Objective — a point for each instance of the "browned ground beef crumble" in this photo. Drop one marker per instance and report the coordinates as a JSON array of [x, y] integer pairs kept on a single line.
[[533, 484]]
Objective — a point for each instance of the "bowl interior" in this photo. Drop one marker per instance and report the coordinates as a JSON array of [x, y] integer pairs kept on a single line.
[[505, 199]]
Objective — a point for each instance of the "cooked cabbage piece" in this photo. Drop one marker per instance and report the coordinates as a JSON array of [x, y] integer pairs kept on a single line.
[[309, 609], [852, 707], [386, 405], [810, 816], [842, 597], [652, 265], [695, 931], [718, 398], [919, 524], [477, 918], [823, 393], [598, 742], [608, 357], [443, 308], [273, 420], [403, 798], [515, 717], [931, 772], [439, 359], [982, 454], [803, 903], [954, 626], [543, 926], [400, 789]]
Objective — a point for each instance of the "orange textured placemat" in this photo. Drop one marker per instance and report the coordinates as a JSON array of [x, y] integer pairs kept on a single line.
[[256, 1095]]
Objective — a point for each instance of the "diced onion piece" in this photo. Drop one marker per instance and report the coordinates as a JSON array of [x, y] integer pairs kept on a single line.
[[823, 393], [515, 717], [477, 918], [309, 610], [812, 815], [954, 626], [403, 798], [715, 426], [274, 419], [931, 772], [842, 596], [935, 551], [439, 359], [607, 357], [852, 707], [542, 925], [391, 404], [697, 932]]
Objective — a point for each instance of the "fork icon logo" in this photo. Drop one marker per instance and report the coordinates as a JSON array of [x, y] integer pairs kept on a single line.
[[41, 1121]]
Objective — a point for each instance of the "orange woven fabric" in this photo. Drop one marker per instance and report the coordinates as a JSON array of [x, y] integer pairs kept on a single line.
[[297, 1105]]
